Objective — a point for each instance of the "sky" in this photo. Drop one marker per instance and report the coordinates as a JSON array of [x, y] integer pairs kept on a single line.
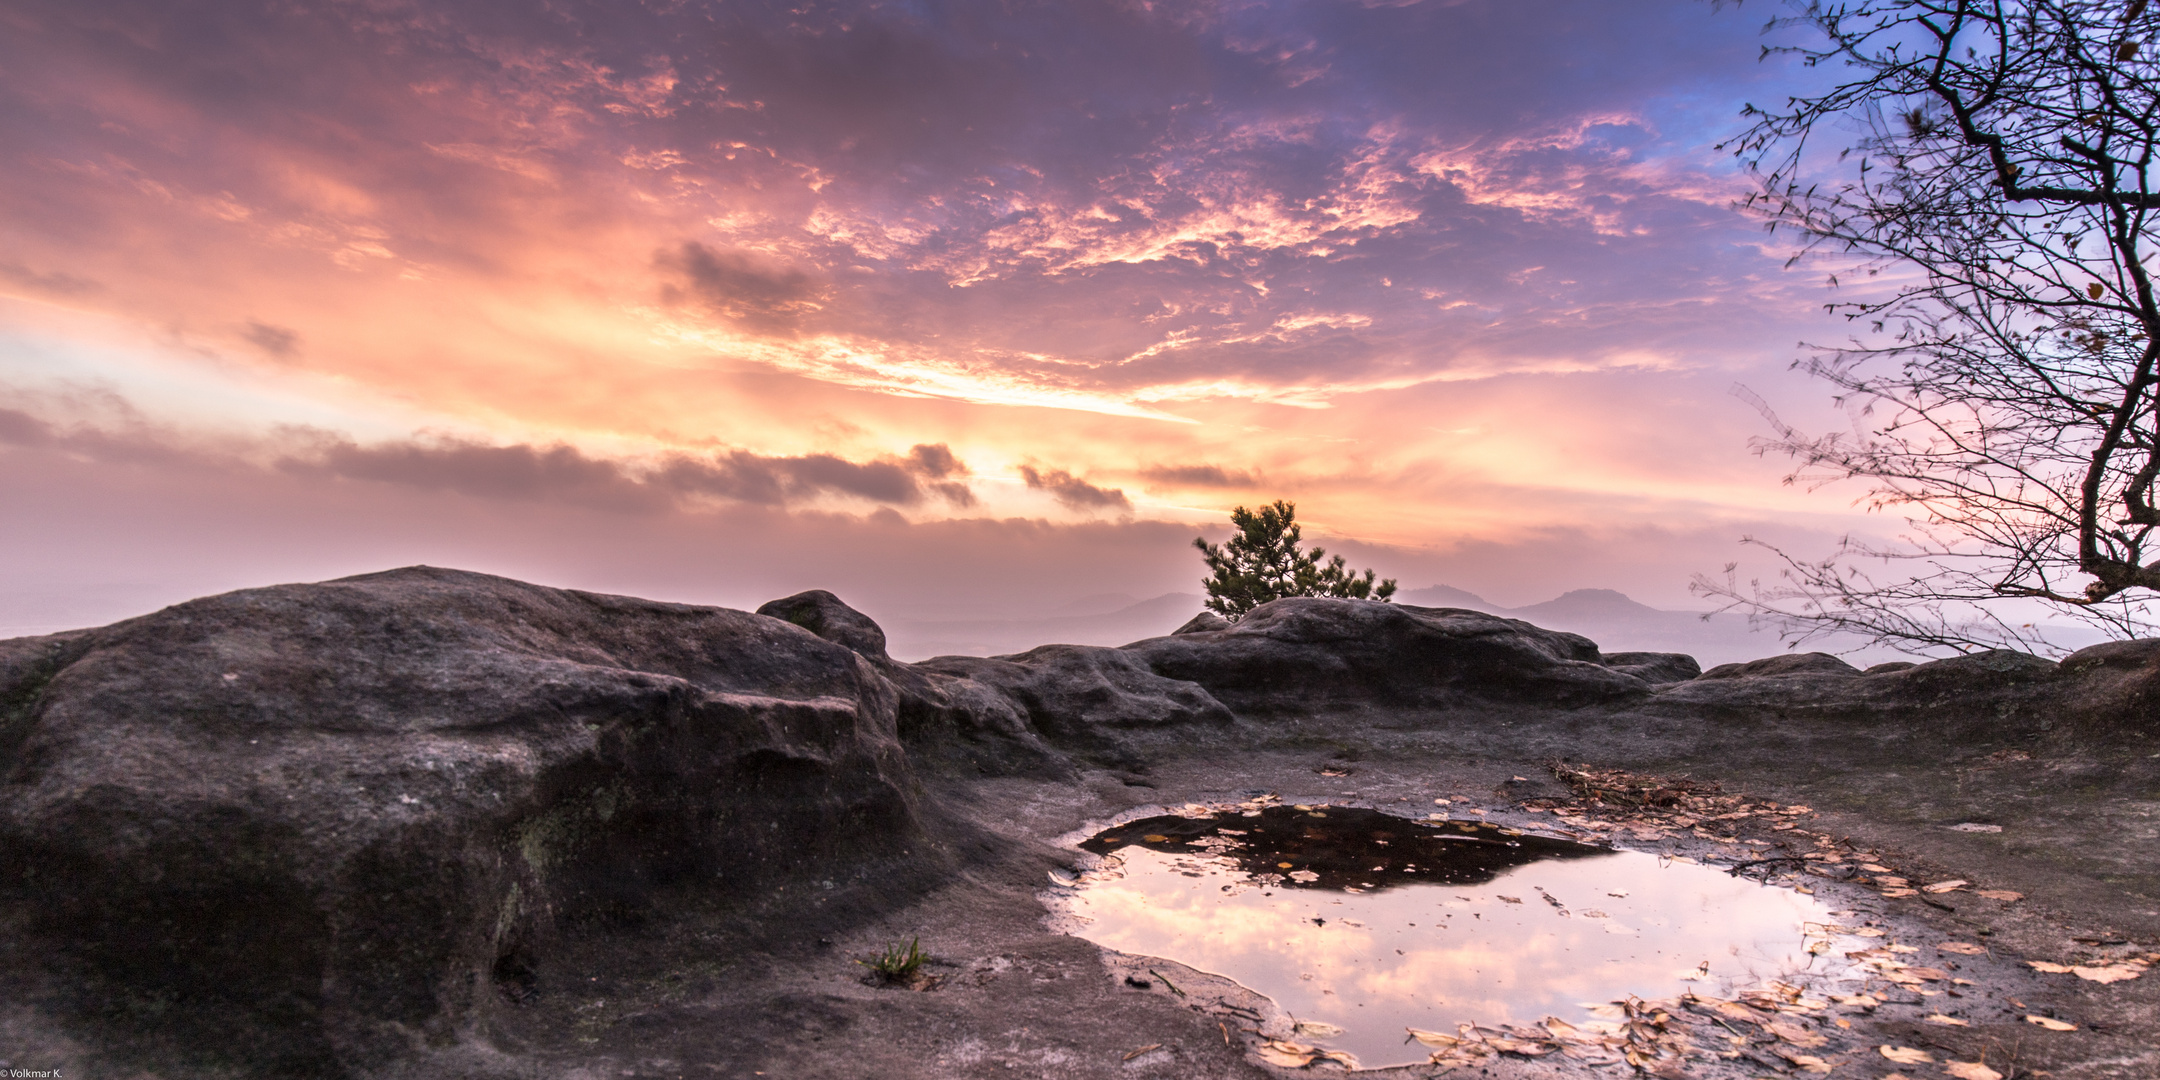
[[956, 309]]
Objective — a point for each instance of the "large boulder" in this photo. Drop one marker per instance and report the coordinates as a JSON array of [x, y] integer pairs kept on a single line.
[[1310, 654], [1095, 701], [354, 813], [823, 614]]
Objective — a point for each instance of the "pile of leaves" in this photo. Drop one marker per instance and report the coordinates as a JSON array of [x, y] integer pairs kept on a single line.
[[1757, 836], [1641, 1033]]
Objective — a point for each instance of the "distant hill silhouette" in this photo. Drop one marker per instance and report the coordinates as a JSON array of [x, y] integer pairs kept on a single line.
[[1619, 623]]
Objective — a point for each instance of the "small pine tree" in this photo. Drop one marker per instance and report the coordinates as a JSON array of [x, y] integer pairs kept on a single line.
[[1263, 562]]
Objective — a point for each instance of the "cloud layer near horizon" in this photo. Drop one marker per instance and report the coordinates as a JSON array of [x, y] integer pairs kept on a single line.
[[1447, 273]]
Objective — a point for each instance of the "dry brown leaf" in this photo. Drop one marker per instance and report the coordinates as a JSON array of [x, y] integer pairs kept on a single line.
[[1947, 1021], [1284, 1054], [1795, 1034], [2050, 968], [1946, 886], [1971, 1070], [1806, 1062], [1142, 1050], [2112, 973], [1433, 1038], [1524, 1047], [1930, 974], [1906, 1055], [1900, 892], [2004, 895], [2050, 1023], [1962, 948]]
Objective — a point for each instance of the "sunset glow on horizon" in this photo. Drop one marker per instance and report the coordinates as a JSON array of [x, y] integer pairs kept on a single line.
[[950, 308]]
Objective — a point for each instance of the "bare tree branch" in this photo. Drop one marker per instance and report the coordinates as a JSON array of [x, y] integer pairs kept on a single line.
[[1999, 156]]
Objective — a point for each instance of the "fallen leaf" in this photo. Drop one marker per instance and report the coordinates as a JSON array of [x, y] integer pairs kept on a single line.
[[1930, 974], [2050, 1023], [1963, 948], [2004, 895], [1893, 893], [1796, 1035], [1947, 1021], [1873, 868], [1433, 1038], [1946, 886], [1142, 1050], [2050, 968], [1974, 826], [1906, 1055], [1806, 1062], [1511, 899], [1868, 931], [1971, 1070], [1317, 1029], [2112, 973], [1288, 1055]]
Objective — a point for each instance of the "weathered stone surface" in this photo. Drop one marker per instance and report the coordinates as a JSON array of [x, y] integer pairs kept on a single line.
[[1311, 654], [1813, 663], [1655, 668], [350, 813], [823, 614], [1093, 700], [1202, 623]]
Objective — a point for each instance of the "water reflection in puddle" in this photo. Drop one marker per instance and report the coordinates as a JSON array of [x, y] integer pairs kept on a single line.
[[1374, 923]]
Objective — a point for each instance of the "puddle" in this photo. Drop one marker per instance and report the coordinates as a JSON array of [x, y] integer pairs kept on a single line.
[[1371, 923]]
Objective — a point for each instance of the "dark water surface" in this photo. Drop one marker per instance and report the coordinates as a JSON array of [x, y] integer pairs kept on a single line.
[[1369, 923]]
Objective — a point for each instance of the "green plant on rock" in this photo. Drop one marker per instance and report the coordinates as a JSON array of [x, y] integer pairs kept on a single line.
[[898, 963], [1262, 561]]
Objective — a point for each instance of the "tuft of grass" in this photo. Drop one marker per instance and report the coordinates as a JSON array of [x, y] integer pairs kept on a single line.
[[898, 963]]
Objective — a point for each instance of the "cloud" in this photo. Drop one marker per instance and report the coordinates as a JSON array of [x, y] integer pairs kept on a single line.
[[18, 428], [1208, 476], [278, 341], [47, 283], [1072, 492], [749, 291], [936, 462], [563, 473]]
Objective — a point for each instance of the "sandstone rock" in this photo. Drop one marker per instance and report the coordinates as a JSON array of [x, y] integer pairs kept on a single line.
[[1655, 668], [823, 614], [1311, 654], [1094, 700], [1204, 623], [347, 813], [1813, 663]]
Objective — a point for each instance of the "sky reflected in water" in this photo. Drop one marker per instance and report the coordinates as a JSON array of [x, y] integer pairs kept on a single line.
[[1375, 924]]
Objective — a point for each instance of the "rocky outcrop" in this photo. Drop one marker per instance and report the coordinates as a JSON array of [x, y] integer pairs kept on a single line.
[[343, 822], [823, 614], [353, 813], [1099, 702], [1309, 654], [1655, 668]]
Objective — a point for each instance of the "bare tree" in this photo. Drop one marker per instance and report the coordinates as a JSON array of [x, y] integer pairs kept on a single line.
[[1985, 175]]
